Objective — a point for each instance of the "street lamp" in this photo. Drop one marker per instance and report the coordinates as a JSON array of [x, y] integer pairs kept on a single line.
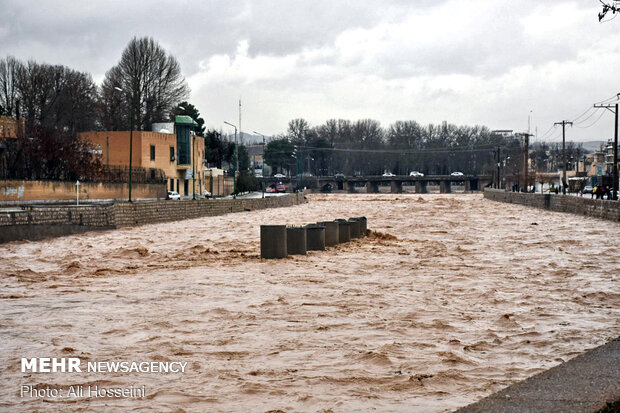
[[130, 138], [263, 164], [235, 161], [308, 158]]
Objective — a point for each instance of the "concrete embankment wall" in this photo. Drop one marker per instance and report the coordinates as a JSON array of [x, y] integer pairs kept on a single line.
[[21, 191], [597, 208], [36, 222]]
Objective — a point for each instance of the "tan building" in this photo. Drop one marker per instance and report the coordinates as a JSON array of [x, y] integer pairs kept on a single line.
[[9, 125], [180, 155], [596, 162]]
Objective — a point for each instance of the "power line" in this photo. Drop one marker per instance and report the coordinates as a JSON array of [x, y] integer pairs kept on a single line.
[[544, 135], [593, 123], [549, 135], [614, 97], [607, 7], [588, 117]]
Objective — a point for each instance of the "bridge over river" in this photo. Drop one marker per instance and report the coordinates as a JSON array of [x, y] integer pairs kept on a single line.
[[350, 183]]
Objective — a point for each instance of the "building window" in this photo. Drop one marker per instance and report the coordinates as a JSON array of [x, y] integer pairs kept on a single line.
[[184, 145], [172, 154], [152, 152]]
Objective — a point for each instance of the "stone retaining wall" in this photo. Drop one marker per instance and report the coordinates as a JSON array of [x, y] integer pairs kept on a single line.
[[41, 222], [597, 208], [138, 213]]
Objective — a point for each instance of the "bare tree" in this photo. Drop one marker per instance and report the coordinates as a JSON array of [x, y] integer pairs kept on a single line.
[[297, 130], [151, 81], [8, 89], [112, 106], [56, 97]]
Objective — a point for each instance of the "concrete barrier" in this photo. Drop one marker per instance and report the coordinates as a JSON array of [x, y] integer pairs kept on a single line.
[[363, 225], [344, 230], [356, 230], [296, 240], [331, 232], [273, 241], [315, 237]]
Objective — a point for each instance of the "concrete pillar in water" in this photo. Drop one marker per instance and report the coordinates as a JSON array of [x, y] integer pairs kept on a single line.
[[344, 230], [363, 225], [296, 240], [445, 187], [273, 241], [315, 237], [471, 184], [396, 187], [351, 187], [420, 187], [356, 230], [372, 187], [331, 232]]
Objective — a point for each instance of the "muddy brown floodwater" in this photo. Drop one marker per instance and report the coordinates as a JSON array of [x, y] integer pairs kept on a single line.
[[456, 298]]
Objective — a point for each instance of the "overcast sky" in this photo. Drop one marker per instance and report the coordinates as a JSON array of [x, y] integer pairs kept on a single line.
[[475, 62]]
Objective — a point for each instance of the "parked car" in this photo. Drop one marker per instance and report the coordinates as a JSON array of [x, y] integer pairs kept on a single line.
[[587, 189], [279, 176], [339, 175], [271, 189], [280, 187], [174, 195], [456, 174], [388, 174], [416, 173], [206, 194]]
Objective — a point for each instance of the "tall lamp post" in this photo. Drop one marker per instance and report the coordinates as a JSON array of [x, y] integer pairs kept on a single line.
[[130, 138], [263, 164], [235, 161]]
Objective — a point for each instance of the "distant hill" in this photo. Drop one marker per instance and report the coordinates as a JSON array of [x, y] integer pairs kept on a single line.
[[588, 146], [591, 146]]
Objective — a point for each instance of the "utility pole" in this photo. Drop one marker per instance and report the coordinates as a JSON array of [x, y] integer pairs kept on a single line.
[[240, 138], [526, 155], [498, 166], [263, 165], [235, 161], [615, 166], [564, 181]]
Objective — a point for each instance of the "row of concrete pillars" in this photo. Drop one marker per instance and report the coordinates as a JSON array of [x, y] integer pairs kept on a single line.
[[279, 241], [396, 187]]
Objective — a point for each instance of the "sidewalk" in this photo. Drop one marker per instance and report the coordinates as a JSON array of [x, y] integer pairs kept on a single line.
[[588, 383]]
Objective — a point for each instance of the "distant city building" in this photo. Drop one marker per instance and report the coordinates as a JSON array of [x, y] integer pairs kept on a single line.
[[609, 157], [506, 133], [256, 159], [9, 126], [170, 152], [596, 162]]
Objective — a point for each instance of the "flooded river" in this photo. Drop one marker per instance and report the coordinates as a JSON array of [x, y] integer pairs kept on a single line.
[[454, 297]]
